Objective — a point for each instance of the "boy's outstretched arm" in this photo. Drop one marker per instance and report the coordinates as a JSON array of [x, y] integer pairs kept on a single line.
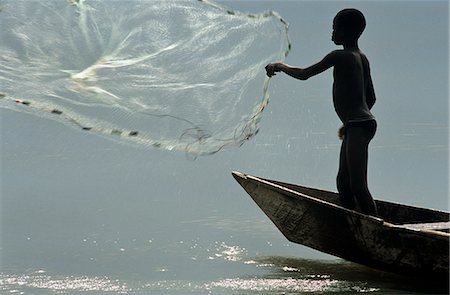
[[302, 74]]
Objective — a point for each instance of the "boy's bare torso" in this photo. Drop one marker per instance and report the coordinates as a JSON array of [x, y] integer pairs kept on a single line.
[[352, 87]]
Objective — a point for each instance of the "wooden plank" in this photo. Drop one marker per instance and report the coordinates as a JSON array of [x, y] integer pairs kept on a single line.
[[428, 226]]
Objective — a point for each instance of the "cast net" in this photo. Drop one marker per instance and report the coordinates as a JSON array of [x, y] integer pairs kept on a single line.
[[176, 75]]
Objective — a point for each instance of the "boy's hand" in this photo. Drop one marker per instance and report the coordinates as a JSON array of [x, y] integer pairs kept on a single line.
[[272, 68]]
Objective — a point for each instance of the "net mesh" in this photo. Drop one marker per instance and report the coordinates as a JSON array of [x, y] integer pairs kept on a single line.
[[176, 75]]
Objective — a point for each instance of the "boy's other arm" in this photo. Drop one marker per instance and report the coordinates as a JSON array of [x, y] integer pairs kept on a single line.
[[370, 93], [302, 74], [369, 90]]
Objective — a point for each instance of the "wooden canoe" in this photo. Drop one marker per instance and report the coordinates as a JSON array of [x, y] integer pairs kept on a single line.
[[405, 240]]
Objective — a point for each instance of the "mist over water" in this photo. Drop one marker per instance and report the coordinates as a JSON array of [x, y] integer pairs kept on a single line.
[[82, 214]]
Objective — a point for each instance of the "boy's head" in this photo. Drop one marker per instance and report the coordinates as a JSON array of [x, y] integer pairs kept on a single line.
[[348, 25]]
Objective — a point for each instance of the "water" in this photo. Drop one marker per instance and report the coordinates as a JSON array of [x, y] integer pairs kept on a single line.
[[84, 215], [271, 275], [113, 220]]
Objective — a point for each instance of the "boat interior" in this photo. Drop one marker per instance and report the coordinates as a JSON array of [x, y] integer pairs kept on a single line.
[[398, 214]]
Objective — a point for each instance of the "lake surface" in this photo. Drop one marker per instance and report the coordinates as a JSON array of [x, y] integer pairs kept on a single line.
[[81, 214]]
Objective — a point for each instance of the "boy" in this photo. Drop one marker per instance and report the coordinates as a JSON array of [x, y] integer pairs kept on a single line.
[[353, 97]]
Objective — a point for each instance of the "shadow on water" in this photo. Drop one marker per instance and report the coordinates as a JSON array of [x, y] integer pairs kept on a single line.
[[350, 277]]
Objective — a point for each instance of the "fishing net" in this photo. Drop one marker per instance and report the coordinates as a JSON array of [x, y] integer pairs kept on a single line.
[[176, 75]]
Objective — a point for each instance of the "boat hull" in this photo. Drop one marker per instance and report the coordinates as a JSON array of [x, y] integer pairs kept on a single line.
[[315, 219]]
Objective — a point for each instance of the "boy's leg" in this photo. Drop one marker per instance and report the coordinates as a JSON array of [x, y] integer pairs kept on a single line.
[[358, 137], [343, 179]]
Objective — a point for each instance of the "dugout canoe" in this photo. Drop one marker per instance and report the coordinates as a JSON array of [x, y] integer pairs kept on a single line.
[[404, 239]]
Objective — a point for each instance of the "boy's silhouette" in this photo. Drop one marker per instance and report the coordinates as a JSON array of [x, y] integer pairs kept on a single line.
[[353, 97]]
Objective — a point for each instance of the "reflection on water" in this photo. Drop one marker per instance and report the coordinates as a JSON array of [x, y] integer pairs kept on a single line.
[[351, 277], [290, 285], [39, 281], [280, 275]]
